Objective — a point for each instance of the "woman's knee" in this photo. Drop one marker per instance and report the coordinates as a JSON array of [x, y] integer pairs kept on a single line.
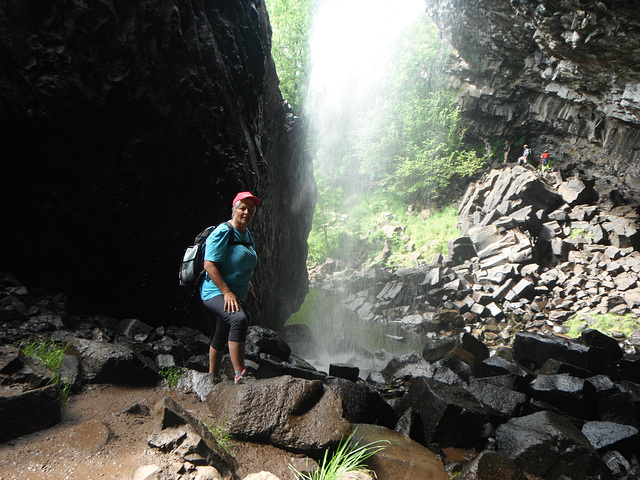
[[238, 327]]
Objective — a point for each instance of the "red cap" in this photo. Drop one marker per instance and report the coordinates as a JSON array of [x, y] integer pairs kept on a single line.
[[245, 195]]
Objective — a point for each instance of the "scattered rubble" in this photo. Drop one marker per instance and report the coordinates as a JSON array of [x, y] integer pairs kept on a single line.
[[577, 400], [532, 255], [496, 378]]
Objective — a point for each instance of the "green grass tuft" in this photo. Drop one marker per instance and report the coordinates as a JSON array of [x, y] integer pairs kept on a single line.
[[345, 459], [52, 354], [171, 375], [221, 434]]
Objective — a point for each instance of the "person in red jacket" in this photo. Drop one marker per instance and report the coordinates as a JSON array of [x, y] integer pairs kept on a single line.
[[544, 161]]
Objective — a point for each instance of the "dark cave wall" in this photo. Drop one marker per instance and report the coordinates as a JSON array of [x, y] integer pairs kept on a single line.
[[557, 74], [128, 127]]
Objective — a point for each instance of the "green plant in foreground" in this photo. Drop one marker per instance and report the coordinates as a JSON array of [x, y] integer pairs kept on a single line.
[[52, 354], [221, 434], [345, 459], [171, 375]]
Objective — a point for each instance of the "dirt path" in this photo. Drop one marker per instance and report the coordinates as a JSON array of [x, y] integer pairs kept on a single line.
[[99, 438]]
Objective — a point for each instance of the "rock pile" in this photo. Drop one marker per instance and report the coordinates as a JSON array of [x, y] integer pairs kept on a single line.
[[314, 411], [550, 406], [536, 250], [547, 406]]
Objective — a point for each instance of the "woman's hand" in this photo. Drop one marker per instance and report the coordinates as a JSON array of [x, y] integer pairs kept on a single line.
[[231, 303]]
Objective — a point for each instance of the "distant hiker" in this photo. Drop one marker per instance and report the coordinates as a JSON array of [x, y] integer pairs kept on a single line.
[[524, 159], [229, 267], [487, 148], [544, 160], [506, 150]]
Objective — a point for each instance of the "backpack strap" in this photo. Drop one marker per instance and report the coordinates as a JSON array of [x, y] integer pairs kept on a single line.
[[233, 241]]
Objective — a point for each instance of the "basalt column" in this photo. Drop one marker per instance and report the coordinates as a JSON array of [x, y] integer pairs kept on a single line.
[[126, 129]]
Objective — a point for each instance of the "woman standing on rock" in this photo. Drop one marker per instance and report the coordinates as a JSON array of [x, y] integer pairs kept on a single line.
[[229, 260]]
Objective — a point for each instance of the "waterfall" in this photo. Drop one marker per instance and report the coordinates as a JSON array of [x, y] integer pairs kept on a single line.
[[351, 59], [351, 53]]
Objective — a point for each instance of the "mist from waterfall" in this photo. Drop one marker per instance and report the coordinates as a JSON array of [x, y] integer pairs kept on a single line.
[[351, 58]]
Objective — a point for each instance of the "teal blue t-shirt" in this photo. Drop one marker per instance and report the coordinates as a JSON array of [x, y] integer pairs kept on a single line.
[[235, 262]]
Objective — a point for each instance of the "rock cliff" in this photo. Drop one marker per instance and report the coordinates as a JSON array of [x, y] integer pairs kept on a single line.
[[562, 75], [126, 129]]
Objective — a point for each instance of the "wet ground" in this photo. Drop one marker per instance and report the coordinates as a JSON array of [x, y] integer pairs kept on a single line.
[[98, 439]]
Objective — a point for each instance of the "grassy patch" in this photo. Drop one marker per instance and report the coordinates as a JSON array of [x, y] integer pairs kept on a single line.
[[430, 234], [52, 354], [355, 233], [171, 375], [220, 432], [580, 233], [345, 459], [605, 323]]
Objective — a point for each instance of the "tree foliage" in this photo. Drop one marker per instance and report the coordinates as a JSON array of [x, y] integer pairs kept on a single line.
[[417, 144], [290, 23], [405, 142]]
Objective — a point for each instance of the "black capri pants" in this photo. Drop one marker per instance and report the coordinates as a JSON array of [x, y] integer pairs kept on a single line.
[[228, 326]]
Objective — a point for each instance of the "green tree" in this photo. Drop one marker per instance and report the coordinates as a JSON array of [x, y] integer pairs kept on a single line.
[[290, 21], [393, 140], [416, 146]]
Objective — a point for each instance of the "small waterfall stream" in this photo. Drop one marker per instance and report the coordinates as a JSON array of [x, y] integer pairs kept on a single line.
[[351, 57]]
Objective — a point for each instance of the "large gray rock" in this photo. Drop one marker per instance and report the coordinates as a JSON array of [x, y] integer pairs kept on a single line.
[[28, 400], [450, 416], [361, 404], [294, 414], [610, 435], [25, 410], [499, 401], [102, 362], [490, 465], [262, 340], [168, 415], [550, 446], [531, 349], [568, 394]]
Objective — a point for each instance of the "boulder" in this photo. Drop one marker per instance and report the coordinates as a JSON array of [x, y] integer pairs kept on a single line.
[[569, 394], [400, 458], [461, 249], [308, 417], [489, 465], [550, 446], [500, 401], [450, 415], [26, 410], [361, 404], [436, 348], [168, 414], [112, 363], [264, 340], [29, 402], [610, 435], [531, 349]]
